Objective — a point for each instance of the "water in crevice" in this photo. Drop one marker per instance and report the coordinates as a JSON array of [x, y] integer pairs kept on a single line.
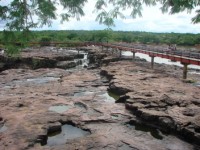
[[68, 132], [42, 80], [144, 128], [80, 94], [197, 84], [105, 96], [3, 128], [60, 108], [81, 105], [113, 95], [108, 96]]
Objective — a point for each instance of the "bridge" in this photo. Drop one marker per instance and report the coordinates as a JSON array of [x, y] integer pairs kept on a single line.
[[185, 58]]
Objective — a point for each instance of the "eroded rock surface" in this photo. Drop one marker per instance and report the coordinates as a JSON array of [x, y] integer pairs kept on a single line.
[[37, 102], [42, 57], [158, 99]]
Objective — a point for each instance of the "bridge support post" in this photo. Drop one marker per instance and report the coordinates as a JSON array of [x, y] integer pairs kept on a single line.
[[185, 70], [152, 62], [133, 56], [120, 54]]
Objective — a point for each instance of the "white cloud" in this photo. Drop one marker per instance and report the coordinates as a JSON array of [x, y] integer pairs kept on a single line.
[[152, 21]]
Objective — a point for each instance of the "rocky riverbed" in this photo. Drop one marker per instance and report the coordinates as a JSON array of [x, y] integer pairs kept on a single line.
[[53, 107]]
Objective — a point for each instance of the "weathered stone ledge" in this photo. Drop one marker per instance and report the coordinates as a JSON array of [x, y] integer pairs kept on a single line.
[[157, 99]]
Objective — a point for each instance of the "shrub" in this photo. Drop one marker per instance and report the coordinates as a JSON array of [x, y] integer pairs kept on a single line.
[[45, 41]]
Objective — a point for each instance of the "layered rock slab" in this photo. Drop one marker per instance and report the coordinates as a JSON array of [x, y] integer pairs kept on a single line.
[[158, 98]]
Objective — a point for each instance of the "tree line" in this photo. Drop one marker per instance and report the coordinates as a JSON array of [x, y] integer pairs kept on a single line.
[[183, 39], [22, 15]]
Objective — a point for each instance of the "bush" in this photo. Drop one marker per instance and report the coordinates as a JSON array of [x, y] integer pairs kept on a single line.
[[45, 41]]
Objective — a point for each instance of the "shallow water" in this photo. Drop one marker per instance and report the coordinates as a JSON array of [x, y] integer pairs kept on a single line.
[[68, 132], [3, 129], [113, 95], [80, 105], [197, 84], [107, 98], [59, 108], [79, 94], [42, 80]]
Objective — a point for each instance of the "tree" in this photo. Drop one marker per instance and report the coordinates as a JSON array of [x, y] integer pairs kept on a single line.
[[102, 36], [23, 15], [168, 6]]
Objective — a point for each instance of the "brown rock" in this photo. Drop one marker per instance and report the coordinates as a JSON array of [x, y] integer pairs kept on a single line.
[[89, 110]]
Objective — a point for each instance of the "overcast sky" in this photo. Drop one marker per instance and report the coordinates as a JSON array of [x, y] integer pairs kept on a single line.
[[152, 21]]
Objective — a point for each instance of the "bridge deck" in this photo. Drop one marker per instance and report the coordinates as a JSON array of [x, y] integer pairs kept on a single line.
[[174, 55]]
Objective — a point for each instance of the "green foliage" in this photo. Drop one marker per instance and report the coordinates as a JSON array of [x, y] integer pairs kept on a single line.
[[45, 41], [9, 41], [12, 50], [19, 14], [72, 36], [107, 17], [116, 36], [14, 41], [101, 36]]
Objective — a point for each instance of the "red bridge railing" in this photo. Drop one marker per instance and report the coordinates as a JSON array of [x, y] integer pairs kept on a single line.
[[174, 55]]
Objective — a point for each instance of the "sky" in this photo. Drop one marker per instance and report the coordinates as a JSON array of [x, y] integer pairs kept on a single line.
[[152, 20]]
